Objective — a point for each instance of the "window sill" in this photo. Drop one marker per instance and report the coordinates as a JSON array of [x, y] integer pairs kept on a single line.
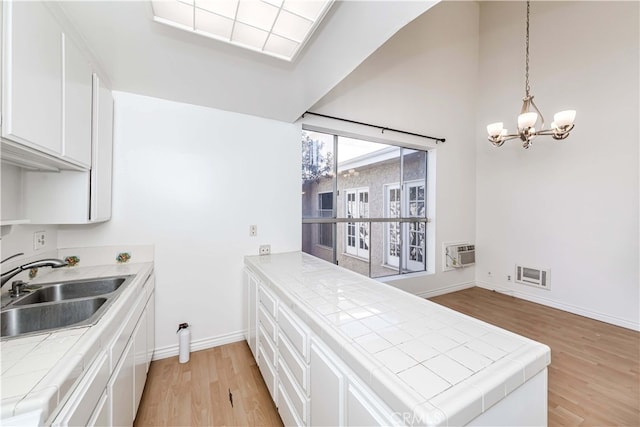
[[404, 276]]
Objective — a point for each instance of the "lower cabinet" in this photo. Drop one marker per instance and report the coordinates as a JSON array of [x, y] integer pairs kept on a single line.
[[327, 389], [121, 391], [308, 382], [110, 391]]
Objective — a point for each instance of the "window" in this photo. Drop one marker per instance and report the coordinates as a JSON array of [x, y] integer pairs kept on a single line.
[[325, 210], [365, 204]]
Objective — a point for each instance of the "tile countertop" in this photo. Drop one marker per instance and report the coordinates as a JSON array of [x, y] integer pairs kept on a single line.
[[421, 358], [39, 370]]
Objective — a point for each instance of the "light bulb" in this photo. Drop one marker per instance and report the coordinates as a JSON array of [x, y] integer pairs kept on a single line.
[[495, 129], [564, 118], [526, 120]]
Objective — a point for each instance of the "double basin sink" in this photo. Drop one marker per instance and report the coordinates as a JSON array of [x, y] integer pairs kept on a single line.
[[60, 305]]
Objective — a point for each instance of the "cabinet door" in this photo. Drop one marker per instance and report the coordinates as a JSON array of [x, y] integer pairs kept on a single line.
[[364, 409], [32, 76], [102, 151], [140, 359], [78, 87], [100, 417], [252, 319], [151, 327], [327, 388], [121, 389]]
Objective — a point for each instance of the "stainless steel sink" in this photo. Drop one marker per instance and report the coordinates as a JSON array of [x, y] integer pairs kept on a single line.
[[60, 305], [41, 317], [71, 290]]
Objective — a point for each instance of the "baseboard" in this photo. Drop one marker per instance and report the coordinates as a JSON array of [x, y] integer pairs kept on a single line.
[[563, 306], [197, 345], [445, 290]]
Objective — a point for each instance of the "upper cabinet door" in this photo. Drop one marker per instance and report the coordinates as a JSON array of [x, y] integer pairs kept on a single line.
[[32, 76], [102, 151], [76, 143]]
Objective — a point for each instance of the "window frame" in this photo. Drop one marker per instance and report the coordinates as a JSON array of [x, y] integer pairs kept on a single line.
[[428, 263]]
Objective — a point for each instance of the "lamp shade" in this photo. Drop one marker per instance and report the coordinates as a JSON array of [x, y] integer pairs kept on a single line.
[[527, 120], [494, 129], [564, 118]]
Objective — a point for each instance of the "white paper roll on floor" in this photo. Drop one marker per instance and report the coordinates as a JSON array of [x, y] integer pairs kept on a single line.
[[184, 343]]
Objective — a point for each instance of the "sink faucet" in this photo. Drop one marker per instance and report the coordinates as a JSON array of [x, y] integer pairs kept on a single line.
[[48, 262]]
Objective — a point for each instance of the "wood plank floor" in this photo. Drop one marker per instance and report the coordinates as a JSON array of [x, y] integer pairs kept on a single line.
[[594, 376], [197, 393]]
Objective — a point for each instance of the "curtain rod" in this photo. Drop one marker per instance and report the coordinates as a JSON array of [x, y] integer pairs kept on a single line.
[[437, 140]]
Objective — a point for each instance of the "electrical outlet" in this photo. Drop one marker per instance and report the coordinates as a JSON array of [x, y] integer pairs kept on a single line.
[[39, 240], [253, 230], [508, 277], [265, 249]]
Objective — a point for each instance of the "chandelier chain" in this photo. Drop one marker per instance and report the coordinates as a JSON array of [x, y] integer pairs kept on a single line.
[[527, 88]]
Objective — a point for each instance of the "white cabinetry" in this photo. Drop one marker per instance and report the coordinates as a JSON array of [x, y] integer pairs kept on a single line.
[[46, 89], [32, 76], [327, 389], [308, 382], [78, 87], [109, 392], [120, 390], [251, 335], [76, 197]]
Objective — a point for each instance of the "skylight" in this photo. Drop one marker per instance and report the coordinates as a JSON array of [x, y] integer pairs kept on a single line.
[[278, 28]]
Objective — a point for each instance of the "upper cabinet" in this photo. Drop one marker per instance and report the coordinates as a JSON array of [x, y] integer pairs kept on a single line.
[[46, 91], [32, 77], [78, 87], [56, 118]]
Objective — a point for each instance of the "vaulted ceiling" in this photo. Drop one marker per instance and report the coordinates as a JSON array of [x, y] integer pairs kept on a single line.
[[148, 58]]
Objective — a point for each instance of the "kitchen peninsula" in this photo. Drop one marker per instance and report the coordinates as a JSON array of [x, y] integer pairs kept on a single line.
[[337, 348]]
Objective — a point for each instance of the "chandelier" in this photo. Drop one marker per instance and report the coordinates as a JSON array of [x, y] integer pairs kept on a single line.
[[530, 116]]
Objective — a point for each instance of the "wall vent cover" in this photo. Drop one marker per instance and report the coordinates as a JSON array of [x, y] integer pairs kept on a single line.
[[533, 276]]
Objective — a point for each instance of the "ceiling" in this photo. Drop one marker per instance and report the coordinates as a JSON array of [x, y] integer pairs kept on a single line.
[[144, 57]]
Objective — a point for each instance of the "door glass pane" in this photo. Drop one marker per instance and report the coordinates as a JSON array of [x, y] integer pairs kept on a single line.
[[317, 174]]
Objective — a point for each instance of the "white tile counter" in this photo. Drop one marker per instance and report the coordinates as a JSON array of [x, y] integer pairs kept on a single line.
[[39, 370], [420, 358]]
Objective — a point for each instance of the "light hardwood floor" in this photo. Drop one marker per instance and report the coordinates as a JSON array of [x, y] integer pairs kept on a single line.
[[593, 376], [594, 373], [197, 393]]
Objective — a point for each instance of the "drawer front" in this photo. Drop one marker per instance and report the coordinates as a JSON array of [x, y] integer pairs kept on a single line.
[[297, 335], [286, 410], [268, 346], [294, 362], [268, 323], [268, 373], [298, 399], [268, 300]]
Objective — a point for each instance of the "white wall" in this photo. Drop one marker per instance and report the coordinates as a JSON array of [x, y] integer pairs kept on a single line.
[[570, 206], [424, 80], [191, 180], [19, 238]]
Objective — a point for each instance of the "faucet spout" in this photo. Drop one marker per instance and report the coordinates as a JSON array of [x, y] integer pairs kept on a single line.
[[48, 262]]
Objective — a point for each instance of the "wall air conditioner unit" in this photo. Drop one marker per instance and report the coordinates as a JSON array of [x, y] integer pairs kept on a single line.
[[532, 276], [458, 256]]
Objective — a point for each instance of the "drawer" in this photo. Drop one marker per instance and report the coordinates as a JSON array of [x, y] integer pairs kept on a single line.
[[268, 300], [296, 333], [268, 372], [268, 346], [286, 410], [299, 401], [268, 323], [294, 362]]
